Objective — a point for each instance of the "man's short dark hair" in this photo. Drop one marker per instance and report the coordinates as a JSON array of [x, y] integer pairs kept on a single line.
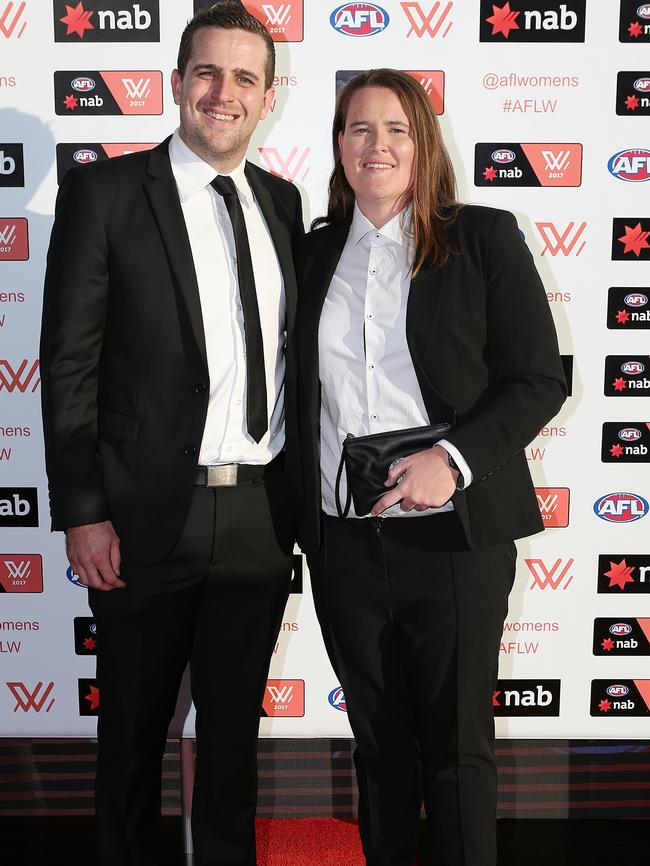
[[228, 16]]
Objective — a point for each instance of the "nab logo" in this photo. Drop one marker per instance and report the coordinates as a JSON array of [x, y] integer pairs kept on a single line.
[[565, 241], [36, 699], [634, 22], [553, 505], [432, 23], [549, 22], [623, 573], [18, 506], [336, 699], [359, 19], [104, 21], [291, 167], [12, 165], [88, 697], [21, 572], [526, 698], [631, 165], [559, 575], [12, 22], [284, 698], [621, 507], [14, 239], [634, 243]]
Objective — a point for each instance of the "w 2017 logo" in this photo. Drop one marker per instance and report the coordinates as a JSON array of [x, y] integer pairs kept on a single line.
[[12, 22], [291, 166], [558, 575], [19, 377], [434, 22], [565, 241], [14, 239], [36, 698]]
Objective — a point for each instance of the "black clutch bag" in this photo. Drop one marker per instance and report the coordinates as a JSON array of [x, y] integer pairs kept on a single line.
[[368, 458]]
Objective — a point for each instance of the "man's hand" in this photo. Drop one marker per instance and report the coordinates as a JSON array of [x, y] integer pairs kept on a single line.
[[428, 482], [94, 554]]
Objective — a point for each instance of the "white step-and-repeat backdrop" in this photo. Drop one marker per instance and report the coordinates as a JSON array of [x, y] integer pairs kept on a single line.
[[545, 107]]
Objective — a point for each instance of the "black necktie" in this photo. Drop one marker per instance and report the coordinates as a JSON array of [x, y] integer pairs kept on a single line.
[[255, 375]]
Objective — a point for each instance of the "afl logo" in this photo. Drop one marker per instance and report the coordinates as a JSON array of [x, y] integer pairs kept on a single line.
[[74, 578], [82, 84], [337, 699], [504, 156], [629, 434], [84, 155], [632, 164], [644, 11], [642, 84], [620, 628], [617, 691], [632, 368], [359, 19], [636, 299], [621, 507]]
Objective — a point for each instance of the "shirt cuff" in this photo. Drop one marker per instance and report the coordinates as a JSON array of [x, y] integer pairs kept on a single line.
[[465, 477]]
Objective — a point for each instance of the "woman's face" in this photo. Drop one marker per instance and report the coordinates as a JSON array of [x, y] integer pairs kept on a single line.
[[377, 151]]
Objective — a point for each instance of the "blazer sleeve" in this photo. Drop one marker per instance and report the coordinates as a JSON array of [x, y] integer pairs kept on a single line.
[[75, 302], [526, 383]]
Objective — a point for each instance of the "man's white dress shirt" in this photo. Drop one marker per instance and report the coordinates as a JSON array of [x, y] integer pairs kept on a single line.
[[368, 382], [226, 438]]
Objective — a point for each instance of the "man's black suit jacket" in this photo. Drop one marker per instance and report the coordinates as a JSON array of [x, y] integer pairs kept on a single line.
[[124, 369], [485, 353]]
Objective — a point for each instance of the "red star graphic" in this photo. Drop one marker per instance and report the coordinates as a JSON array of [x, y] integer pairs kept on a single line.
[[490, 173], [635, 240], [605, 706], [619, 574], [631, 103], [622, 317], [616, 450], [619, 384], [90, 643], [93, 697], [71, 102], [495, 699], [77, 20], [635, 29], [607, 644], [503, 20]]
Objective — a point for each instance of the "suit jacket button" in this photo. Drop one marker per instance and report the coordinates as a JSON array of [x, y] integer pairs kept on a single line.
[[189, 451], [200, 388]]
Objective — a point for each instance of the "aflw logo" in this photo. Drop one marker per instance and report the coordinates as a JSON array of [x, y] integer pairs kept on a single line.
[[561, 242], [20, 379], [31, 700], [141, 90], [9, 22], [283, 695], [558, 575], [557, 161], [289, 168], [430, 23], [21, 570], [8, 235], [277, 16]]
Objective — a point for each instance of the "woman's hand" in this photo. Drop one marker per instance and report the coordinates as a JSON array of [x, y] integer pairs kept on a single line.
[[427, 481]]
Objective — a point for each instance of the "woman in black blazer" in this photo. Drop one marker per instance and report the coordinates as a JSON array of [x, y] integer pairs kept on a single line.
[[415, 310]]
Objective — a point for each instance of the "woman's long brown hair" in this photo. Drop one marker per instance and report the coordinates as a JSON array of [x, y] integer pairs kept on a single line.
[[433, 187]]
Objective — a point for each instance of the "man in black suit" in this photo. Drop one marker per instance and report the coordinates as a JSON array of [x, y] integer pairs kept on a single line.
[[169, 299]]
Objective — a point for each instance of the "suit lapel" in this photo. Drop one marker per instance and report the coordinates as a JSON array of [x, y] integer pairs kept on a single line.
[[281, 237], [163, 197]]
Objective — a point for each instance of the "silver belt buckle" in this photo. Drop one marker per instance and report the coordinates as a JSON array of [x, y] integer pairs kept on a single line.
[[222, 476]]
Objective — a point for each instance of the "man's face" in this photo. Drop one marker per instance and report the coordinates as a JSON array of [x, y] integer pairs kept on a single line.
[[222, 95]]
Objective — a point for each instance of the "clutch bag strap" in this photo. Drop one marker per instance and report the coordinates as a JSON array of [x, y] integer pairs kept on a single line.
[[342, 512]]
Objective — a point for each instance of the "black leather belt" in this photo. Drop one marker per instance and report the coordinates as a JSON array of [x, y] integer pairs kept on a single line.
[[227, 475]]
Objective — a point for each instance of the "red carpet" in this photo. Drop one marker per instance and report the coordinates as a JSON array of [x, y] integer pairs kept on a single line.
[[308, 842]]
